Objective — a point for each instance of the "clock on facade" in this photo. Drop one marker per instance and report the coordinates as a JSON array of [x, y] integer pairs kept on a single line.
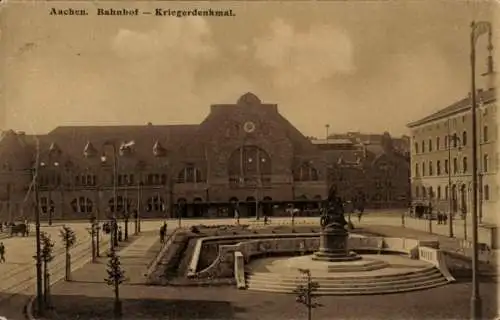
[[249, 127]]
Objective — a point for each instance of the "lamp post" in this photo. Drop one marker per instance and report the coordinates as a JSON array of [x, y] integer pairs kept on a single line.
[[137, 217], [477, 29], [456, 141], [327, 127], [38, 257], [114, 231]]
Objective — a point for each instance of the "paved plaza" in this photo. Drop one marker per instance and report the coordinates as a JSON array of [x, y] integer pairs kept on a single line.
[[17, 275]]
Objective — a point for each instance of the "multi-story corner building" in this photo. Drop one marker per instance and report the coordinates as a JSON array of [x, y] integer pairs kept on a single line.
[[441, 156], [368, 166], [245, 154]]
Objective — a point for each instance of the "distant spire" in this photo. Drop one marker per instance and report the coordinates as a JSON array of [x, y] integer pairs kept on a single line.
[[89, 150], [158, 149]]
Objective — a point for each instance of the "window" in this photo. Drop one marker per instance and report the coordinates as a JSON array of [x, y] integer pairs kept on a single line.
[[439, 192], [463, 119], [416, 147], [486, 192], [464, 165], [446, 166], [189, 174], [430, 168], [305, 173], [446, 192], [423, 169], [455, 140], [464, 138], [417, 172], [423, 146], [438, 167], [446, 142], [437, 143], [485, 163], [455, 166], [430, 145], [485, 134]]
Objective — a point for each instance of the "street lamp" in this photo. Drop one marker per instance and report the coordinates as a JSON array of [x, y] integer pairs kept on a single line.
[[38, 257], [50, 165], [114, 231], [327, 127], [477, 29], [456, 142]]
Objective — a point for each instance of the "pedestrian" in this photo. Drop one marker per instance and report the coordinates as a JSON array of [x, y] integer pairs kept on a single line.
[[360, 215], [237, 216], [120, 234], [2, 253], [162, 233], [266, 219], [439, 217]]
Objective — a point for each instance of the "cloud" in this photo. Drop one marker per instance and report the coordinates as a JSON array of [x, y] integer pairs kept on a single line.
[[189, 38], [301, 58]]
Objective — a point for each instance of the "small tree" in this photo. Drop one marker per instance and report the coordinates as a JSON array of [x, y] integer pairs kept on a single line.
[[68, 237], [116, 276], [305, 293], [47, 256]]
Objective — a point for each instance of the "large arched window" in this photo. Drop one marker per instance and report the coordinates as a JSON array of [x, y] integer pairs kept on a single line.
[[44, 205], [305, 172], [123, 204], [249, 164], [82, 205], [190, 174], [155, 204]]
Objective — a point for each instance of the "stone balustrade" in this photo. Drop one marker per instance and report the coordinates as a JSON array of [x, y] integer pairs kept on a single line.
[[255, 245], [435, 257], [239, 270]]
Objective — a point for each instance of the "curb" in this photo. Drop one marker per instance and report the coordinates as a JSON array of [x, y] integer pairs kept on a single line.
[[28, 310]]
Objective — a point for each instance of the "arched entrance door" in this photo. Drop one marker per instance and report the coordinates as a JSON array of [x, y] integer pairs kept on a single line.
[[454, 199], [198, 207], [251, 206], [267, 206], [181, 207], [463, 199]]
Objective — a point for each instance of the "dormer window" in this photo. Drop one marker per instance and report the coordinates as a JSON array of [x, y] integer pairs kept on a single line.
[[127, 148], [158, 150]]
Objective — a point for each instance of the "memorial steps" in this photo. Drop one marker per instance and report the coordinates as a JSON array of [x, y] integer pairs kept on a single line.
[[275, 276]]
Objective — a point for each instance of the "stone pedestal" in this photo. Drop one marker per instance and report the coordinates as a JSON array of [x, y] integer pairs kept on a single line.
[[333, 245]]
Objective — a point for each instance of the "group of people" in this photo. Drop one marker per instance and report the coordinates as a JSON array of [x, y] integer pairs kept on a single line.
[[442, 218]]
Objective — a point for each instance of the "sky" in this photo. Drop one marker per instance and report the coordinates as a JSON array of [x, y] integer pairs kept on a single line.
[[369, 66]]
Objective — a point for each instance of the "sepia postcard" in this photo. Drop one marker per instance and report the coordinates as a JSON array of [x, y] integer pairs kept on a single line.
[[249, 160]]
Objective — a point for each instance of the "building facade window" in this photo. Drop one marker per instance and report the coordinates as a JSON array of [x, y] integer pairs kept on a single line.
[[446, 166], [305, 173], [465, 165], [464, 138], [416, 147], [485, 163], [455, 166], [446, 190], [439, 192], [423, 169], [430, 145], [417, 172], [82, 205], [486, 192], [485, 134], [84, 180], [455, 140], [423, 146], [438, 167], [438, 144], [446, 142], [189, 174], [431, 171]]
